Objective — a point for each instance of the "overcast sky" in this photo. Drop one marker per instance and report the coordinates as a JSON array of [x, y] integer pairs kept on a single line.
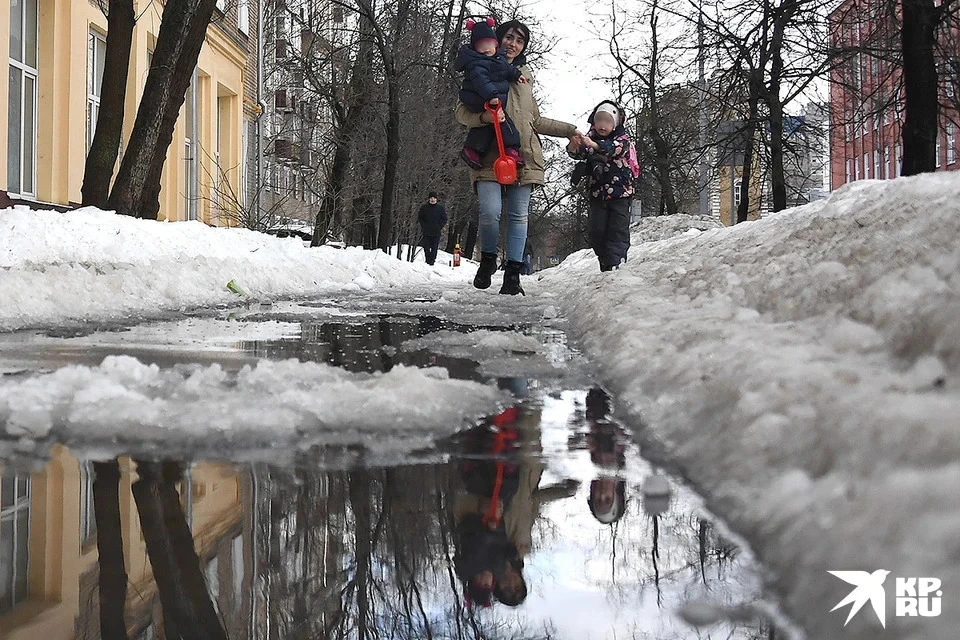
[[567, 87]]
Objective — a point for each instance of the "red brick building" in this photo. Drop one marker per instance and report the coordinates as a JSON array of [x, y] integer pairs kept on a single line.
[[866, 101]]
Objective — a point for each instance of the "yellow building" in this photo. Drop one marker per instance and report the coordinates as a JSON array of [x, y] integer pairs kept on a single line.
[[48, 552], [52, 97]]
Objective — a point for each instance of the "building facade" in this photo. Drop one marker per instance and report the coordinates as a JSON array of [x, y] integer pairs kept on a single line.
[[866, 98], [52, 99]]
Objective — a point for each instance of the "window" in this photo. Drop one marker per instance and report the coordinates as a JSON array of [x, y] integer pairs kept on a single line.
[[88, 519], [888, 170], [243, 16], [876, 164], [866, 166], [938, 150], [96, 52], [14, 539], [899, 160], [849, 176], [951, 143], [22, 110], [856, 169]]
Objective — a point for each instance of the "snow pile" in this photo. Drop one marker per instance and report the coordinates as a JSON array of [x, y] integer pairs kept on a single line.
[[275, 403], [654, 228], [93, 265], [804, 370]]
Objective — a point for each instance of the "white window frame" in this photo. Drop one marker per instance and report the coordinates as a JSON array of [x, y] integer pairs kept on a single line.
[[94, 91], [938, 150], [88, 519], [951, 143], [856, 168], [243, 16], [12, 514], [888, 169], [866, 166], [28, 166], [876, 164], [898, 161]]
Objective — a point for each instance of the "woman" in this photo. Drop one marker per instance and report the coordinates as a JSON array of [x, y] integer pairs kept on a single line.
[[514, 36]]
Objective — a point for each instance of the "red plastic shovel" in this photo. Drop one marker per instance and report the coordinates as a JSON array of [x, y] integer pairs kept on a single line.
[[504, 167]]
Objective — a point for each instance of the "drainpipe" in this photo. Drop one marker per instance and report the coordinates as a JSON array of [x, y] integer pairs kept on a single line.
[[194, 178], [259, 143]]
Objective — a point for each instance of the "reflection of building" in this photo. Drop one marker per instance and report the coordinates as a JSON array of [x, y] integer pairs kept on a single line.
[[866, 99], [48, 555], [50, 104]]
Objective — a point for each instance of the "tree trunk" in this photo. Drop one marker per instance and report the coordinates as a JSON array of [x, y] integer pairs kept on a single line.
[[182, 32], [922, 122], [176, 568], [663, 155], [392, 161], [105, 146], [360, 79], [113, 575], [470, 242], [753, 101]]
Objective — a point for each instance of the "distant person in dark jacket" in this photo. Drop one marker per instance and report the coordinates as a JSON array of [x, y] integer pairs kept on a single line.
[[606, 150], [486, 78], [432, 218]]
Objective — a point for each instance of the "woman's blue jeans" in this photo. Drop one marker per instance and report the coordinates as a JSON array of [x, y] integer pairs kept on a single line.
[[491, 195]]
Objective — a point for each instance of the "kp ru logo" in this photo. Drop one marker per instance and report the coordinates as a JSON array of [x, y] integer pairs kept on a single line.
[[914, 596]]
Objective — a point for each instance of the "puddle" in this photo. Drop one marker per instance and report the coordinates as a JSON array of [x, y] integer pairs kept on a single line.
[[542, 521]]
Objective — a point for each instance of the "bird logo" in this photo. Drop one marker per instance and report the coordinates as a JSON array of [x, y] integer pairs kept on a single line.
[[869, 588]]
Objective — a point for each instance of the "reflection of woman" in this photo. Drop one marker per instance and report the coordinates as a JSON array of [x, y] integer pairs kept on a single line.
[[495, 527], [486, 560], [607, 500]]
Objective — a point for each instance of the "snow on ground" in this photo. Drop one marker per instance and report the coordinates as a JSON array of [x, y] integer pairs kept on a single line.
[[94, 265], [663, 227], [804, 372], [278, 404]]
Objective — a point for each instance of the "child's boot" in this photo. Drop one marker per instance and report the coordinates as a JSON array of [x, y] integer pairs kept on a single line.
[[515, 154], [472, 158]]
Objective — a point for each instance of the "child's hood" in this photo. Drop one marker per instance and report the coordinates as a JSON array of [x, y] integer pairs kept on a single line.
[[468, 54], [623, 114]]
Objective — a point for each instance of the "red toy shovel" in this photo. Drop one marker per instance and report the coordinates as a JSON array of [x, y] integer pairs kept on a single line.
[[504, 167]]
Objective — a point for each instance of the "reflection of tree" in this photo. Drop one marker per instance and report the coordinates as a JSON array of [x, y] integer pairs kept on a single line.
[[113, 574], [188, 611]]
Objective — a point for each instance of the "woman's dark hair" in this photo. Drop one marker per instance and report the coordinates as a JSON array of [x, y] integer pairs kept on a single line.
[[512, 597], [519, 26]]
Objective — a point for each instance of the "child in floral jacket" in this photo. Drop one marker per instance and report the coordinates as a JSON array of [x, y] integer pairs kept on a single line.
[[607, 151]]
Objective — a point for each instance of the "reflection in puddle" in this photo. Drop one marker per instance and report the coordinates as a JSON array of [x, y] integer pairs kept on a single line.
[[543, 523]]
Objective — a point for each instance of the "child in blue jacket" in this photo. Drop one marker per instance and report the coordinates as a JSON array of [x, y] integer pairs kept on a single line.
[[606, 149], [486, 78]]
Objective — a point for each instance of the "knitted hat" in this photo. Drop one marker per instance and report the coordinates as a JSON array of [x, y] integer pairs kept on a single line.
[[480, 31], [433, 194]]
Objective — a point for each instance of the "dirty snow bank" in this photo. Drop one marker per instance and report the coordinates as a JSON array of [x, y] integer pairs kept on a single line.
[[94, 265], [280, 404], [804, 371], [654, 228]]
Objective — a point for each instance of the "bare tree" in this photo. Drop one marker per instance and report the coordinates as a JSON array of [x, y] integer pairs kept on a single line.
[[105, 146], [183, 29]]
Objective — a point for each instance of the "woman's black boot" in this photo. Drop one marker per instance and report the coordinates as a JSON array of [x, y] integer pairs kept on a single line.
[[488, 267], [511, 279]]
